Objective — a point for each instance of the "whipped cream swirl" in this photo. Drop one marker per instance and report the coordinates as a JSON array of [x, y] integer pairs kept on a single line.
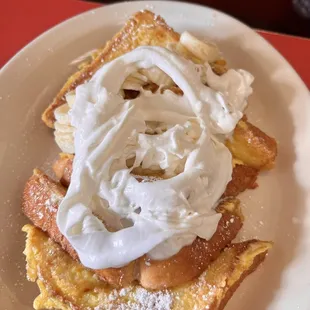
[[108, 216]]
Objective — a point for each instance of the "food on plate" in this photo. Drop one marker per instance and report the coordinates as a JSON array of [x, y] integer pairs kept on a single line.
[[65, 284], [158, 275], [155, 150]]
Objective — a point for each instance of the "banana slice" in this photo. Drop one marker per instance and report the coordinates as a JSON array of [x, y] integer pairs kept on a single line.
[[61, 114], [153, 127], [70, 98], [207, 52], [157, 76], [65, 140], [64, 132], [144, 76], [181, 50], [135, 81], [64, 128]]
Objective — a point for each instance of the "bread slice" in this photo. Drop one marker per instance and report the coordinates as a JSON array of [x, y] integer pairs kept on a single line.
[[65, 284], [143, 28], [249, 144], [252, 146], [42, 197]]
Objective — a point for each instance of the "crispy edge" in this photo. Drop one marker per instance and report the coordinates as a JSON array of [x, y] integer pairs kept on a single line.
[[41, 199], [258, 254], [252, 146], [218, 283], [124, 41]]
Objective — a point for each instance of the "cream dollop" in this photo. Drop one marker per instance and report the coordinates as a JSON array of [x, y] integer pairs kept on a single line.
[[160, 217]]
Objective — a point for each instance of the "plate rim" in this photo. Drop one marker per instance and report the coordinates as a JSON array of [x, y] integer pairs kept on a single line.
[[65, 22]]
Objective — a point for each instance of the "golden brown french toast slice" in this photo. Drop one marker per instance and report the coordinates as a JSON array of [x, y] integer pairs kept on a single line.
[[143, 28], [252, 146], [42, 197], [249, 144], [65, 284]]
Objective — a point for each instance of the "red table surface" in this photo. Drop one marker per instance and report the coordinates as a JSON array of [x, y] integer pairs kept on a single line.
[[21, 21]]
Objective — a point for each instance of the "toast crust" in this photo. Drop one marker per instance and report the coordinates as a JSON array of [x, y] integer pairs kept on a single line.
[[252, 146]]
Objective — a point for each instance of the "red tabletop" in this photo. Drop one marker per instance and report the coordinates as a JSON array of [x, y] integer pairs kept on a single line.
[[21, 21]]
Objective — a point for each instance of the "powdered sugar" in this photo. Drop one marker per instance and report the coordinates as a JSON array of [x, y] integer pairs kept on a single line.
[[51, 202], [142, 300], [161, 300], [119, 293]]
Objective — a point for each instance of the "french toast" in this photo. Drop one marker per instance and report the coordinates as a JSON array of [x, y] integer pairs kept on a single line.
[[42, 196], [252, 146], [144, 28], [203, 275], [65, 284]]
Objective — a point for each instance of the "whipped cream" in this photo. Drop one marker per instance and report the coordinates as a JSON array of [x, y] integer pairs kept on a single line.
[[108, 216]]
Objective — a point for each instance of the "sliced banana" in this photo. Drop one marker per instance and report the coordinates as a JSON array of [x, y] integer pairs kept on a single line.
[[63, 128], [157, 76], [61, 114], [189, 47], [65, 141], [144, 76], [70, 98], [153, 127], [181, 50], [208, 52], [135, 81]]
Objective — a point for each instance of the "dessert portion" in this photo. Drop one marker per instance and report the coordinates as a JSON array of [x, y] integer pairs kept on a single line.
[[188, 263], [156, 148], [65, 284]]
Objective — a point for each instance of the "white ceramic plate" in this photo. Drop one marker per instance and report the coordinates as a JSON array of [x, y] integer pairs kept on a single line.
[[278, 210]]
